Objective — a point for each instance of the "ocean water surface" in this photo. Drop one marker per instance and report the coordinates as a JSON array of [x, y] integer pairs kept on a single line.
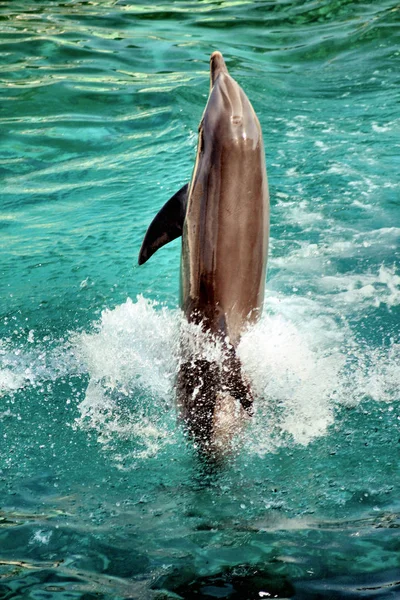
[[101, 494]]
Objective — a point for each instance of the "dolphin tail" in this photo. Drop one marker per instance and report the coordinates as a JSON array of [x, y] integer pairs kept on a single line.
[[166, 226], [197, 387], [209, 396], [237, 383]]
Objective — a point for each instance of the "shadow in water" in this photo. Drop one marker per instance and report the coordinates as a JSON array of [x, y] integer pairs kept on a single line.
[[238, 583], [382, 585], [247, 582]]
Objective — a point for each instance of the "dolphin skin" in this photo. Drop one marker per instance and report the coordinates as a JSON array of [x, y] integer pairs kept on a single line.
[[223, 218]]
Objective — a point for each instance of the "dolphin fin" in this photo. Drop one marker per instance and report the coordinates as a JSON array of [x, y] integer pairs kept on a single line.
[[166, 226]]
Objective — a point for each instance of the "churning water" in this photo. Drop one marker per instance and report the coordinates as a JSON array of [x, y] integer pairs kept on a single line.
[[101, 494]]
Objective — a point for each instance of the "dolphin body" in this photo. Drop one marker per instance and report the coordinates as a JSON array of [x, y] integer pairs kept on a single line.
[[223, 217]]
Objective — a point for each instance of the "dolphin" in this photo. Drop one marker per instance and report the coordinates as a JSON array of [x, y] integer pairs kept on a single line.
[[223, 218]]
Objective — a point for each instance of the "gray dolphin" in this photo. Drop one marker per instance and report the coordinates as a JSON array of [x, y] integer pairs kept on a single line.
[[223, 217]]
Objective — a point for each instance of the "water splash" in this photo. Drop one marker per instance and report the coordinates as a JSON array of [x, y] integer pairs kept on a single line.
[[301, 370], [302, 363], [131, 359], [296, 381], [25, 364]]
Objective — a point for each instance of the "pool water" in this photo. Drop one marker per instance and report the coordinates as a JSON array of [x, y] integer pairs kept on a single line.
[[101, 493]]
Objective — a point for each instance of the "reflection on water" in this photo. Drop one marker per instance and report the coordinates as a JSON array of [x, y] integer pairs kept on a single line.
[[101, 493]]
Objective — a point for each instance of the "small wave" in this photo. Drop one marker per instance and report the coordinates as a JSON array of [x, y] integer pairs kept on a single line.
[[373, 289]]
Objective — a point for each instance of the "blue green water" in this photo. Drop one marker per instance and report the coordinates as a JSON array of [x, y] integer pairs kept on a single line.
[[101, 495]]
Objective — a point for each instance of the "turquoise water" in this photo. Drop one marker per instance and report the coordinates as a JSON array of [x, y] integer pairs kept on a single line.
[[101, 495]]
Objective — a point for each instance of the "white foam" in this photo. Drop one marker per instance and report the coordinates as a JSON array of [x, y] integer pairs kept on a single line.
[[391, 126], [41, 537], [10, 381], [323, 147]]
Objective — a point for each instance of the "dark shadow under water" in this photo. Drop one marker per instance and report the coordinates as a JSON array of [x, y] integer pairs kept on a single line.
[[251, 582]]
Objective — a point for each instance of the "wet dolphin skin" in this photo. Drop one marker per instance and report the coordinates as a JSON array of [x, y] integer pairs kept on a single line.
[[223, 217]]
